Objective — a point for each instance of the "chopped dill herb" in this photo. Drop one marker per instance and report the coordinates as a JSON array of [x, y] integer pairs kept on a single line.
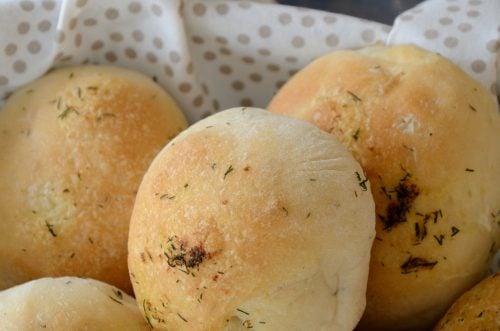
[[186, 185], [167, 196], [248, 324], [439, 239], [407, 173], [115, 300], [454, 231], [417, 230], [50, 228], [472, 108], [285, 210], [355, 135], [408, 148], [362, 182], [178, 257], [146, 313], [180, 316], [118, 294], [414, 264], [469, 170], [66, 112], [228, 171], [354, 96], [387, 195], [92, 88], [242, 311], [71, 75], [397, 211], [104, 115]]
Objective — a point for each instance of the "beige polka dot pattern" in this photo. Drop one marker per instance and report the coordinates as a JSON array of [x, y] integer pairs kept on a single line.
[[450, 42], [135, 7], [28, 41], [111, 13], [44, 26], [10, 49], [48, 5], [27, 5], [252, 58], [34, 47], [265, 31], [222, 9], [212, 55], [23, 28], [463, 31]]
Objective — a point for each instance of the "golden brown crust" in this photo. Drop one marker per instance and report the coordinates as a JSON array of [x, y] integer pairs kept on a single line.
[[476, 309], [74, 146], [250, 218], [427, 136]]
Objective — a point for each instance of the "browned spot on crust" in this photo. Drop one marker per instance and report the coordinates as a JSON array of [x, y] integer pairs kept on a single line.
[[414, 264], [182, 258], [397, 211]]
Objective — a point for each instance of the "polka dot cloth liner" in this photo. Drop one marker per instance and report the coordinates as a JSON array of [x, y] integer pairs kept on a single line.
[[212, 55]]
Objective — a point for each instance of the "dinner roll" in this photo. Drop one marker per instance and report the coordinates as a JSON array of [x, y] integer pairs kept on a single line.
[[427, 136], [476, 309], [74, 146], [253, 220], [68, 303]]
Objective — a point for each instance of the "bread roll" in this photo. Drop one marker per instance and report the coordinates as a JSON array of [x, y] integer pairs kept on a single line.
[[252, 220], [476, 309], [74, 146], [68, 303], [427, 136]]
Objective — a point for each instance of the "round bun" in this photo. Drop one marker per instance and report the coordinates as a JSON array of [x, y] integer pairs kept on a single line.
[[476, 309], [249, 219], [427, 136], [74, 146], [68, 303]]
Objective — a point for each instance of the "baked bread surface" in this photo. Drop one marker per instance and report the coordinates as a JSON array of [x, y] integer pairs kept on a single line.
[[74, 146], [249, 219], [68, 303], [428, 137], [476, 309]]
